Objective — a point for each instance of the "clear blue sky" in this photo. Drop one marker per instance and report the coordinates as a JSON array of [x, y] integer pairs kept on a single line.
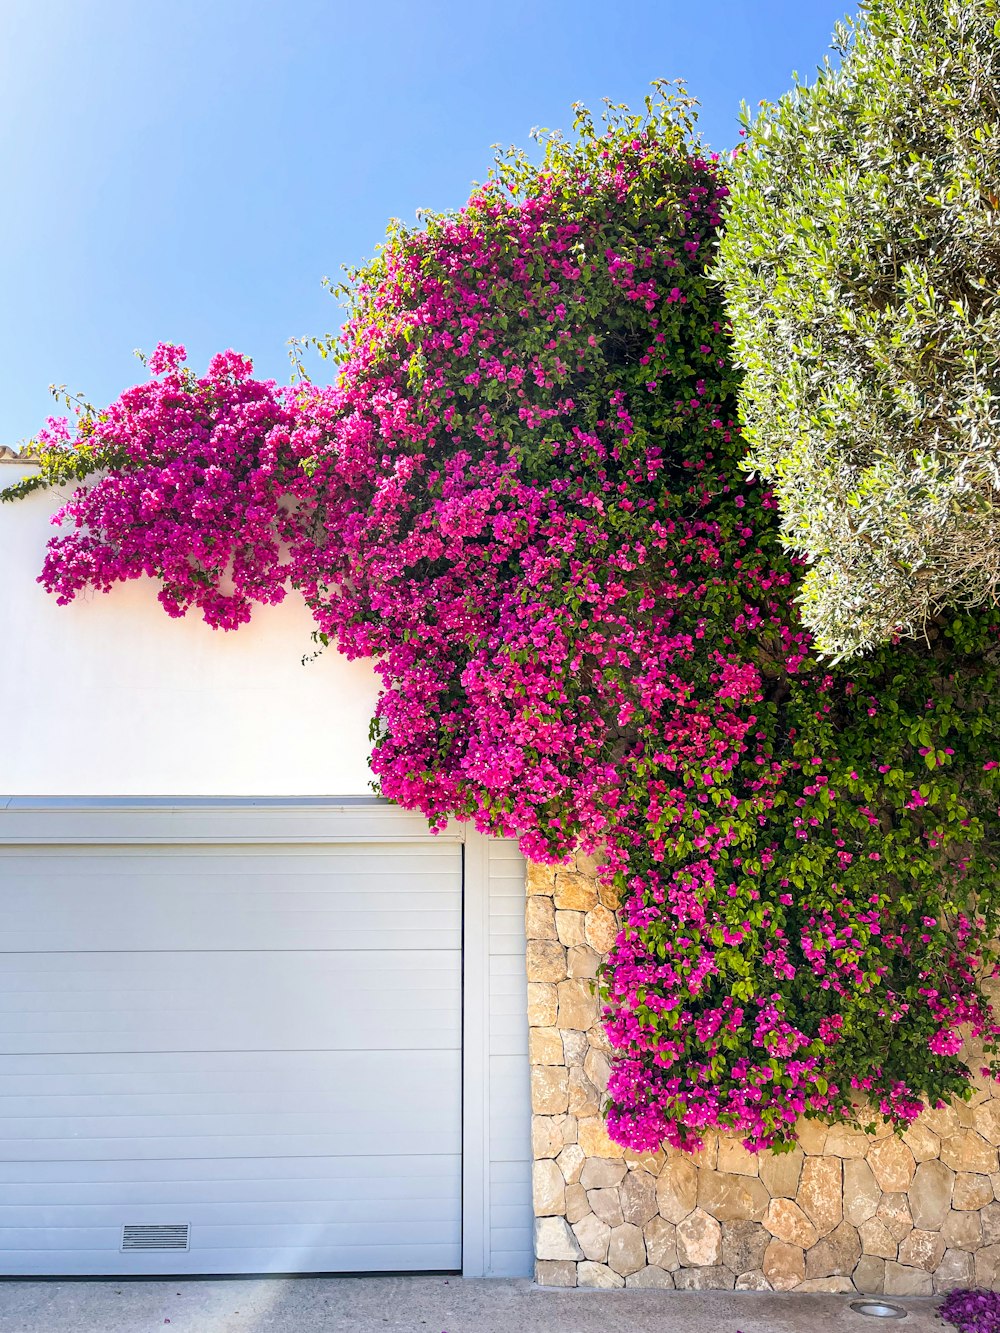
[[189, 171]]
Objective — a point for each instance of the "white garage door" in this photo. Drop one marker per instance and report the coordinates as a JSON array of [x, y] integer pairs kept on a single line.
[[230, 1060]]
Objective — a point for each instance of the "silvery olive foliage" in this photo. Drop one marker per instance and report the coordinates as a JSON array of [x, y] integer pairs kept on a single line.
[[861, 263]]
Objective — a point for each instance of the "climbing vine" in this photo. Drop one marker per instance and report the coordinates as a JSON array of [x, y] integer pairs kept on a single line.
[[523, 499]]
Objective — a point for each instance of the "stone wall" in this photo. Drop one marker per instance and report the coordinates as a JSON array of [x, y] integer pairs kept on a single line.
[[845, 1211]]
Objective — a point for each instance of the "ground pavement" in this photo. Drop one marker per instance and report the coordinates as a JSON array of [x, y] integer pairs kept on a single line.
[[423, 1305]]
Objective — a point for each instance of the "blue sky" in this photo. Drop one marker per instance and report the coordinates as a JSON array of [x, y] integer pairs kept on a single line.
[[190, 171]]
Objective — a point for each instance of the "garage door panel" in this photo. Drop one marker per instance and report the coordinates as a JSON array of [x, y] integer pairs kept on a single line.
[[233, 1001], [264, 1044], [344, 1083], [266, 1236], [54, 1137], [100, 1262], [374, 1215], [358, 1181], [242, 1072], [216, 898], [240, 1177]]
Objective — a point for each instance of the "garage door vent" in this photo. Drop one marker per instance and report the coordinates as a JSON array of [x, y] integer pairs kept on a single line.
[[164, 1237]]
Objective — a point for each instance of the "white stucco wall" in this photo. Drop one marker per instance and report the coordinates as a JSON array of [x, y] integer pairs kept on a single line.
[[108, 696]]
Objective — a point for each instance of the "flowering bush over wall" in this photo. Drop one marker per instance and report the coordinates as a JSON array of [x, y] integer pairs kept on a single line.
[[523, 499]]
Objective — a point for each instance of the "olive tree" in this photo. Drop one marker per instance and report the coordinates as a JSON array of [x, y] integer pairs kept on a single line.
[[861, 265]]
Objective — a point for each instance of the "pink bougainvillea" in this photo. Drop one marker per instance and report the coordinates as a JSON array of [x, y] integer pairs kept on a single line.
[[522, 498]]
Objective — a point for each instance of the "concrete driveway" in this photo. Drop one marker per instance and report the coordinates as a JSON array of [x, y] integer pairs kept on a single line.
[[422, 1305]]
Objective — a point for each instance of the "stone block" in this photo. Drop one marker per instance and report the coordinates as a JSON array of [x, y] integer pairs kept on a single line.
[[600, 1173], [576, 1203], [589, 1274], [546, 1136], [543, 1005], [877, 1240], [969, 1151], [941, 1120], [577, 1004], [869, 1275], [571, 1161], [584, 1099], [539, 918], [593, 1138], [548, 1188], [922, 1141], [894, 1212], [598, 1038], [961, 1231], [956, 1270], [545, 1048], [901, 1280], [736, 1160], [892, 1165], [609, 895], [539, 878], [570, 1128], [601, 929], [593, 1235], [699, 1240], [661, 1243], [754, 1280], [811, 1136], [650, 1162], [835, 1255], [930, 1194], [555, 1240], [597, 1067], [638, 1197], [730, 1198], [549, 1089], [546, 960], [677, 1188], [922, 1249], [582, 961], [987, 1267], [828, 1284], [574, 892], [848, 1142], [986, 1121], [712, 1278], [575, 1048], [990, 1218], [569, 927], [784, 1265], [972, 1192], [743, 1245], [588, 864], [821, 1194], [607, 1206], [626, 1250], [780, 1173], [555, 1273], [786, 1221], [861, 1192], [650, 1276], [706, 1155]]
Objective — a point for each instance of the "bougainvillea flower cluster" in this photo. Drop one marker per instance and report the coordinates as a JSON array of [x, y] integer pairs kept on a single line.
[[522, 499], [972, 1311]]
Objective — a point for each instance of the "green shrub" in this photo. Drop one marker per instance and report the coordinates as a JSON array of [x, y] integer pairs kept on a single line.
[[861, 263]]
